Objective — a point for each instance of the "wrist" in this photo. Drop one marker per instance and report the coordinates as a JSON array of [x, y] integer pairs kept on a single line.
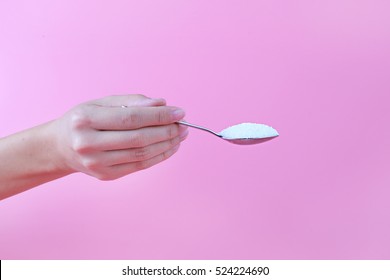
[[57, 153], [32, 157]]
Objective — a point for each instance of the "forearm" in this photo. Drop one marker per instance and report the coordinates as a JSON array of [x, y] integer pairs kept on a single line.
[[28, 159]]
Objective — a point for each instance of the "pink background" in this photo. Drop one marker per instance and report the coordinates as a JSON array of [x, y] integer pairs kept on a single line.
[[317, 71]]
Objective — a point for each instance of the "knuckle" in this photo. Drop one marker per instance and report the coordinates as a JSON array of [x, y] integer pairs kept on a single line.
[[164, 156], [79, 118], [172, 131], [163, 116], [171, 142], [131, 119], [91, 164], [137, 140], [141, 153], [80, 145], [141, 165]]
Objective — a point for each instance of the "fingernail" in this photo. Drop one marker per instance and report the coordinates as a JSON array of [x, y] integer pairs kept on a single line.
[[151, 102], [178, 114], [159, 100]]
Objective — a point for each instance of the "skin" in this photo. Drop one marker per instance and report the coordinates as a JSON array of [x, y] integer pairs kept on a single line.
[[99, 138]]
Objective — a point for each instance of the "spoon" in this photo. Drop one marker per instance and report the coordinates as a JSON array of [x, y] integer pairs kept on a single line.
[[244, 138]]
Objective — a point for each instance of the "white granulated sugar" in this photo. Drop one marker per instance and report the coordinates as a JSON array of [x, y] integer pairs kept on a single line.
[[248, 130]]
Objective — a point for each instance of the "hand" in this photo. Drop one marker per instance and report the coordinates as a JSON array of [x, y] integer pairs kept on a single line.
[[105, 140]]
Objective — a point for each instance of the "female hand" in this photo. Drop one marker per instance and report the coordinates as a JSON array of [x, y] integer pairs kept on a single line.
[[114, 136]]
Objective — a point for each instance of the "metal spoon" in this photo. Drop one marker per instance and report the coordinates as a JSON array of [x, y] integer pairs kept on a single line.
[[239, 141]]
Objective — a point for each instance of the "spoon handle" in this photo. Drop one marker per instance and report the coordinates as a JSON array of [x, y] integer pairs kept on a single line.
[[199, 127]]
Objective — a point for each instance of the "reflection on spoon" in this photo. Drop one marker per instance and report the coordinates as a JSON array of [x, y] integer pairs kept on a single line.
[[242, 134]]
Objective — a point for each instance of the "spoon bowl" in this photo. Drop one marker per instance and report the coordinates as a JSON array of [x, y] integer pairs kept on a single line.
[[235, 140], [249, 141]]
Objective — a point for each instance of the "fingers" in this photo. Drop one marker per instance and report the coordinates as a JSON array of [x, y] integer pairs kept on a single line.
[[117, 135], [128, 100], [121, 170], [109, 165], [115, 157], [140, 154], [120, 140], [117, 118]]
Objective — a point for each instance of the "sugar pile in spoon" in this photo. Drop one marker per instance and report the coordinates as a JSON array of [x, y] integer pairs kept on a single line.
[[248, 130]]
